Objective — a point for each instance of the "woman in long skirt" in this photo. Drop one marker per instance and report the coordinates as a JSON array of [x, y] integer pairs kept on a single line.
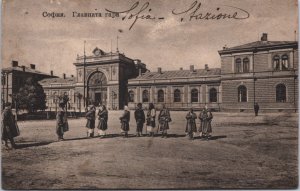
[[151, 119], [103, 117], [125, 118]]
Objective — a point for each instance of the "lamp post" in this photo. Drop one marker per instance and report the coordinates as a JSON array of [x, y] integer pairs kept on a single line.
[[84, 96]]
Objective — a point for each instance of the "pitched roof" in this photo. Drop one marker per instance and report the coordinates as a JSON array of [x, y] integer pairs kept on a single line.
[[178, 74], [27, 69], [259, 45], [49, 81]]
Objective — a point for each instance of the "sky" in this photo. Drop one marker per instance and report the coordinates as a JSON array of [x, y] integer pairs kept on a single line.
[[54, 43]]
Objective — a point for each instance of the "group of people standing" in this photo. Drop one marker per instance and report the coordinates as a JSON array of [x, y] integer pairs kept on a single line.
[[140, 118], [152, 127], [10, 128], [205, 129]]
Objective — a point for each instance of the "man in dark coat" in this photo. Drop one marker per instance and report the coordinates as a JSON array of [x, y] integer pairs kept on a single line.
[[61, 122], [125, 118], [103, 117], [90, 124], [164, 118], [9, 126], [140, 119], [191, 127], [256, 109]]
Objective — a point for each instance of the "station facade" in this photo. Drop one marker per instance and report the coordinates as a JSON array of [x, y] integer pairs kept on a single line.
[[264, 71]]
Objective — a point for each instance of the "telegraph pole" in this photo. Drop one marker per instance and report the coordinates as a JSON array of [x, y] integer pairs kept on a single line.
[[84, 96]]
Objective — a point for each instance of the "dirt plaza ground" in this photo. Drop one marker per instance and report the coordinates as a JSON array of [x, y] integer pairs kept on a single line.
[[245, 152]]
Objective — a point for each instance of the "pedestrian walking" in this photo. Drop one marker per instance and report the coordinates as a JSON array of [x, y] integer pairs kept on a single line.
[[151, 114], [125, 118], [62, 125], [102, 124], [140, 119], [91, 117], [164, 118], [205, 123], [191, 127], [9, 127], [256, 109]]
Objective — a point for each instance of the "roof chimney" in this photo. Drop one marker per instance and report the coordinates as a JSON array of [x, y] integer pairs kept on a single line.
[[206, 67], [72, 76], [264, 37], [32, 66], [159, 70], [64, 75], [192, 69], [14, 63], [51, 72], [181, 68], [23, 68]]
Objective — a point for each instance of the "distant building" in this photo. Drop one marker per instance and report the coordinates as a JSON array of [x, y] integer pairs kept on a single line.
[[15, 76], [263, 71], [179, 89]]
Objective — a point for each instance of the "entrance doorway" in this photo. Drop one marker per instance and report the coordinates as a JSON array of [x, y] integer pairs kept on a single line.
[[98, 98], [97, 88]]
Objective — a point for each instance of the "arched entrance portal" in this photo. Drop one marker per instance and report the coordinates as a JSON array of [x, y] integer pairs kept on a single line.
[[97, 89]]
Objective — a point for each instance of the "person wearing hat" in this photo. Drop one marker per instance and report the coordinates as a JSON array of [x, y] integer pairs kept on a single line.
[[205, 123], [9, 126], [103, 117], [164, 118], [61, 121], [191, 127], [125, 118], [91, 118], [140, 119]]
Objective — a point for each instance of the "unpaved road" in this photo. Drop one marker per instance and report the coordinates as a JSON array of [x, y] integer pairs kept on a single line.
[[246, 152]]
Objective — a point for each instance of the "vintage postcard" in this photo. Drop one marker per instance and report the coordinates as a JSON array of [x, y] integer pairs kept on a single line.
[[149, 94]]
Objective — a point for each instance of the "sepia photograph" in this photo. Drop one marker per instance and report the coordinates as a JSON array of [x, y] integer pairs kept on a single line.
[[149, 94]]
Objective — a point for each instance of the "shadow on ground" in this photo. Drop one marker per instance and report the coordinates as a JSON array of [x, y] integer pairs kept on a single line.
[[36, 144]]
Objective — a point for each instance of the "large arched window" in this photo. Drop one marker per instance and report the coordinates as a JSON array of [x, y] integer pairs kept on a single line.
[[238, 65], [246, 65], [285, 62], [280, 93], [242, 94], [213, 95], [160, 96], [130, 96], [177, 95], [194, 95], [276, 62], [145, 96]]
